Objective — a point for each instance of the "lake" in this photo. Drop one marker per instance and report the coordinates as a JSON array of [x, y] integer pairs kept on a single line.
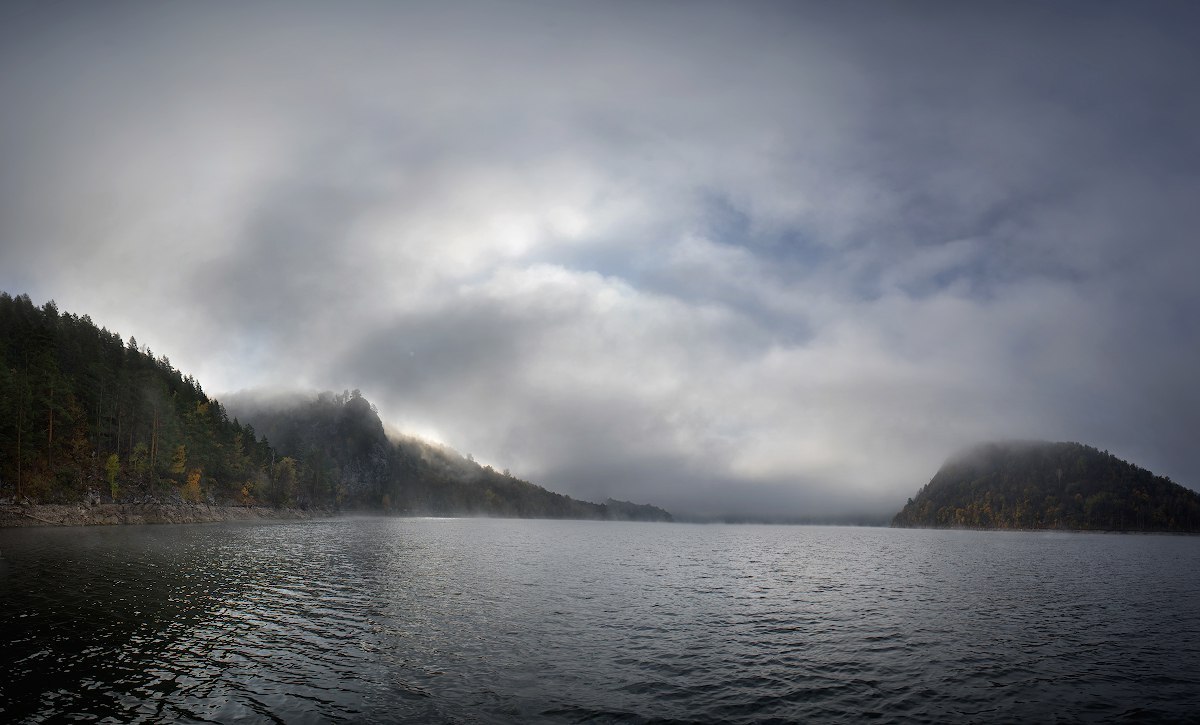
[[475, 620]]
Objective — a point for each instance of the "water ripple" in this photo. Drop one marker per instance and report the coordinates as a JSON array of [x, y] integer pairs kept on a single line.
[[504, 621]]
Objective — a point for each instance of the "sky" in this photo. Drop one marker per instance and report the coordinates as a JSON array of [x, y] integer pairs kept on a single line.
[[752, 258]]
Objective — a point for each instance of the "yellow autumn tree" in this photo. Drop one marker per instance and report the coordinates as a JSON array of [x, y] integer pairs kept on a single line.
[[179, 460], [283, 490], [191, 491], [112, 467]]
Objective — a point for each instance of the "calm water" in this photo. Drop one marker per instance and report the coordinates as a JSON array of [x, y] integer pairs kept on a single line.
[[506, 621]]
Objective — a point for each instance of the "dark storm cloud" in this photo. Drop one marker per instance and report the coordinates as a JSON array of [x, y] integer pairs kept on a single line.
[[766, 258]]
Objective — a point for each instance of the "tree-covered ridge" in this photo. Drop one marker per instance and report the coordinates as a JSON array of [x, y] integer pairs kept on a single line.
[[339, 438], [1036, 485], [85, 415], [82, 411]]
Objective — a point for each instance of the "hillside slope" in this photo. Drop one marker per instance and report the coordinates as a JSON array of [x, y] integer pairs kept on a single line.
[[349, 461], [1041, 485]]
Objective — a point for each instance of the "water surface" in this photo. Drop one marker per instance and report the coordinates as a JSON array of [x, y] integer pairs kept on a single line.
[[474, 620]]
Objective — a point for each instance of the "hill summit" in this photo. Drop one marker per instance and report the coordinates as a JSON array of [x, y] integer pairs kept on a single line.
[[1043, 485]]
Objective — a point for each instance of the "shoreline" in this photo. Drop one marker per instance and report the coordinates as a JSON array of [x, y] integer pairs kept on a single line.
[[116, 514]]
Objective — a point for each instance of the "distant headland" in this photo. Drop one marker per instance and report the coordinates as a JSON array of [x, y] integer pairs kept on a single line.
[[1043, 485]]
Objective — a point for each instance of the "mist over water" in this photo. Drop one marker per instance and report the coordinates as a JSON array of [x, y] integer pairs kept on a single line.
[[472, 620]]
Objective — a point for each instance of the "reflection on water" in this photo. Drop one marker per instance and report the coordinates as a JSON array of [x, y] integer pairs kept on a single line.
[[478, 620]]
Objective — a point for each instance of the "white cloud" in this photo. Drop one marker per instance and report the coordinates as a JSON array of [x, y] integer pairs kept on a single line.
[[787, 258]]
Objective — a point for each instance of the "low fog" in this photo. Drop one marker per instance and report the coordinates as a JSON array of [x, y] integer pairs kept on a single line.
[[730, 259]]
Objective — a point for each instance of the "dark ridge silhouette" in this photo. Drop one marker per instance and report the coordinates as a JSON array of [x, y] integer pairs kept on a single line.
[[340, 442], [1042, 485]]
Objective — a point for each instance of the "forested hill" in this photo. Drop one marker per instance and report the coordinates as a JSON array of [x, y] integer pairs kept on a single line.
[[83, 413], [1038, 485], [339, 443], [86, 415]]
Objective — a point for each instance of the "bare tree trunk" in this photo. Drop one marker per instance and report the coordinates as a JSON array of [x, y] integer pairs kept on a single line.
[[99, 417], [50, 437], [20, 428], [154, 440]]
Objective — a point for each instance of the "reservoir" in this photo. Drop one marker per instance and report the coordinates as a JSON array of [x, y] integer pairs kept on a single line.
[[476, 620]]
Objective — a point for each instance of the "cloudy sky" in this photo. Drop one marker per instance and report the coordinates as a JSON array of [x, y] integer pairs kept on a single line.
[[766, 258]]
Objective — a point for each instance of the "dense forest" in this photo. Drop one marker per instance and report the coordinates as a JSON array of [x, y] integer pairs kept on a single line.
[[1036, 485], [85, 415]]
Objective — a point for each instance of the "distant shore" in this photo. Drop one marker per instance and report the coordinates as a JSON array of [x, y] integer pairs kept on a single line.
[[112, 514]]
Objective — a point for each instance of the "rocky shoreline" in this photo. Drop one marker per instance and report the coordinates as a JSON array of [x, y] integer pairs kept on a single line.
[[112, 514]]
